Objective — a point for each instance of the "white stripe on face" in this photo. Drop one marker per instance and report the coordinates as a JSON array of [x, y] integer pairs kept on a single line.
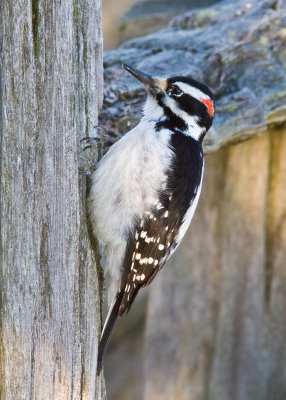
[[194, 130], [192, 91]]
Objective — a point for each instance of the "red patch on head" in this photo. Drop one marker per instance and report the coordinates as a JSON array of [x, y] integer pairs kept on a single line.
[[210, 105]]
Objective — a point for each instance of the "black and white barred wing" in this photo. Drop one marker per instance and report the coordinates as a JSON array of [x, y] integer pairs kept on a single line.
[[153, 241], [151, 244], [156, 236]]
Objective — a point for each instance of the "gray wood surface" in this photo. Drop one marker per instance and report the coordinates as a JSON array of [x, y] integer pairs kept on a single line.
[[50, 94]]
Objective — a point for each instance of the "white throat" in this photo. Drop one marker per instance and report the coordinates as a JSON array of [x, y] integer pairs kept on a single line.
[[152, 111]]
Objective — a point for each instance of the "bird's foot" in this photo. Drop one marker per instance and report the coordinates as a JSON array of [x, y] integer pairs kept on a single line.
[[94, 146]]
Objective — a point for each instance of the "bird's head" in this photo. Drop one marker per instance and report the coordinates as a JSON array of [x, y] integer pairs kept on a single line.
[[178, 103]]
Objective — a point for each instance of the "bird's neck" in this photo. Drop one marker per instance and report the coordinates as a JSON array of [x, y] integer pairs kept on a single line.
[[163, 118]]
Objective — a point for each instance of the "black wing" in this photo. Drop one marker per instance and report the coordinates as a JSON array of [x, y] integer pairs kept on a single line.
[[147, 251], [154, 238]]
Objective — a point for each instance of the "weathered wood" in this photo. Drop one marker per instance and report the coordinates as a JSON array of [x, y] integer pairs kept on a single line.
[[276, 267], [218, 310], [51, 91]]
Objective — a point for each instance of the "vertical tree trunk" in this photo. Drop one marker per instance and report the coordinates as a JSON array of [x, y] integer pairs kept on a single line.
[[51, 91]]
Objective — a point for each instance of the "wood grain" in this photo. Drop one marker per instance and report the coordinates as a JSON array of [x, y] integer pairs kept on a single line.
[[51, 91]]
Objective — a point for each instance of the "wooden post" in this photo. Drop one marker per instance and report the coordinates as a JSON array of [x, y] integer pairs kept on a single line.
[[50, 95]]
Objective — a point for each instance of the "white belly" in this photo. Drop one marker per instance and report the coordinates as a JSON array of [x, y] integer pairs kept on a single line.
[[125, 185]]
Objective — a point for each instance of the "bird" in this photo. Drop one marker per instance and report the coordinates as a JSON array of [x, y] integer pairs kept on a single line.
[[146, 188]]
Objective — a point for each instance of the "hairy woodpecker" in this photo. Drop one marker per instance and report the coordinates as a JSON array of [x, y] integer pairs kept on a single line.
[[146, 188]]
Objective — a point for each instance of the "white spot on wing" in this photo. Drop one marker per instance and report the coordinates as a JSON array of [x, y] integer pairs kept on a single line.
[[140, 277], [161, 247]]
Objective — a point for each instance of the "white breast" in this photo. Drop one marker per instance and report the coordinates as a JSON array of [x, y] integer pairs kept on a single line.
[[125, 185]]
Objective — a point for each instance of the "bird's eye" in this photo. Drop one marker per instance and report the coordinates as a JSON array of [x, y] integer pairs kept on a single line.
[[175, 91]]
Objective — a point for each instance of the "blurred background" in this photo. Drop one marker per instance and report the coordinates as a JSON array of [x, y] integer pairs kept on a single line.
[[212, 326], [127, 19]]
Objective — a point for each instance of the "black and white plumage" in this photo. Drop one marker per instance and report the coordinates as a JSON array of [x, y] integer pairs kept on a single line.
[[146, 188]]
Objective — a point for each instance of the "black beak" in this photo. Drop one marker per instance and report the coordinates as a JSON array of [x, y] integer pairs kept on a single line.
[[147, 80]]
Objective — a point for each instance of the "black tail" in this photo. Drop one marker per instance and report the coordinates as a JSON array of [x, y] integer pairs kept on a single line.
[[109, 325]]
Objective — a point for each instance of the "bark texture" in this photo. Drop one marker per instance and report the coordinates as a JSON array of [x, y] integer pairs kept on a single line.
[[51, 91]]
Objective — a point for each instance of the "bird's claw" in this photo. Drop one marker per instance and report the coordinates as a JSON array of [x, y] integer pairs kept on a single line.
[[95, 146]]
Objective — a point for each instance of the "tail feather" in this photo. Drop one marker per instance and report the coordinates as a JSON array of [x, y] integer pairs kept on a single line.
[[108, 327]]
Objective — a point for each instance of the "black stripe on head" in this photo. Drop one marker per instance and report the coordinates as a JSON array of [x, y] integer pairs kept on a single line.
[[192, 82], [190, 104], [171, 121], [195, 107]]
